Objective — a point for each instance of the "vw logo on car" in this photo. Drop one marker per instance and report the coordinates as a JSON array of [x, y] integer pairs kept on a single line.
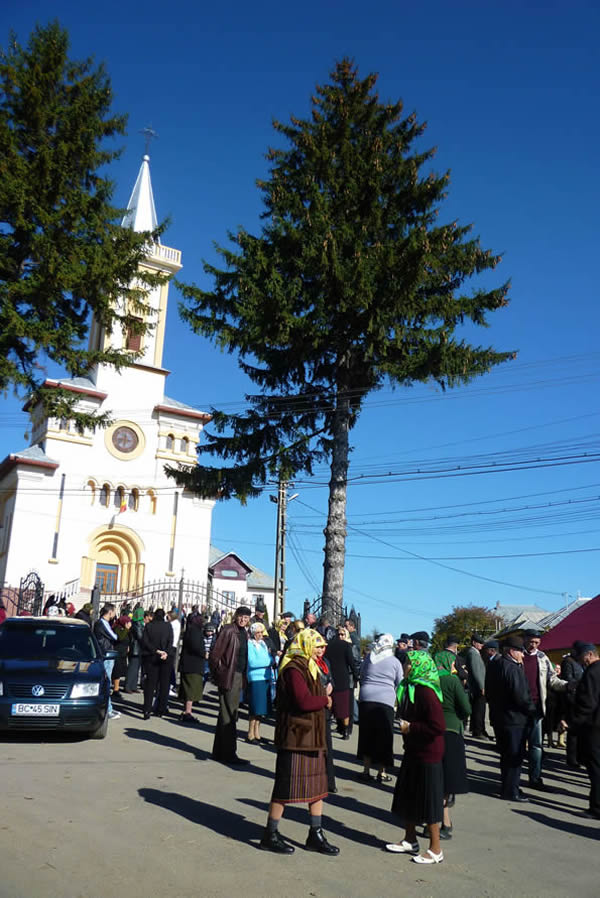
[[37, 690]]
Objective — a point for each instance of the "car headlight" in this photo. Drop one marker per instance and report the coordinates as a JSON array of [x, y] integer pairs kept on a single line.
[[85, 690]]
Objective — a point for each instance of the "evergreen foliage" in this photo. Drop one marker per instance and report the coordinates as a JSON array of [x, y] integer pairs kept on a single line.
[[63, 254], [352, 283]]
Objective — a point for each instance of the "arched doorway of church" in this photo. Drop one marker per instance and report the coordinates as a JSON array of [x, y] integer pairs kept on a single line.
[[114, 562]]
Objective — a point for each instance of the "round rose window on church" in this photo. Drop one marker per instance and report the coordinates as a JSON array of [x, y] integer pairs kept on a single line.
[[125, 439]]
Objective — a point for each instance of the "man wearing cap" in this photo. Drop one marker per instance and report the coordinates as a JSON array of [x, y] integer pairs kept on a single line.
[[571, 670], [476, 684], [490, 651], [586, 721], [228, 662], [511, 708], [541, 677], [401, 647]]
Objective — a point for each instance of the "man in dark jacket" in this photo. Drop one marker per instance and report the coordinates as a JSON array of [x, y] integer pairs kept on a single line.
[[476, 683], [157, 645], [85, 613], [586, 721], [571, 671], [511, 708], [228, 663]]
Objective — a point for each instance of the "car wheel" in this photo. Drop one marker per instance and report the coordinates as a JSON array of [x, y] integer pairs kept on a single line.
[[101, 731]]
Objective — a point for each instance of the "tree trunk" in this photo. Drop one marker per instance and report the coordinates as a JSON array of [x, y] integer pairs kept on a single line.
[[335, 531]]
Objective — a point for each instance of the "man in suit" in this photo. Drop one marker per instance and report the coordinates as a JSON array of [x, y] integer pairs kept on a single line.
[[585, 719]]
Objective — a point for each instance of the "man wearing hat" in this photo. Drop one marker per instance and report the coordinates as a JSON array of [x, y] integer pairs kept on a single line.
[[586, 720], [541, 677], [511, 708], [476, 684], [571, 670], [420, 641], [228, 662], [402, 647]]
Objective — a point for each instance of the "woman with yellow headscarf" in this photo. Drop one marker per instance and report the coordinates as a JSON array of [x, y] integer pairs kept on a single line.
[[300, 773]]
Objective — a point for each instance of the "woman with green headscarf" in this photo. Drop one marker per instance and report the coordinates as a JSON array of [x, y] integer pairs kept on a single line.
[[419, 792], [457, 708]]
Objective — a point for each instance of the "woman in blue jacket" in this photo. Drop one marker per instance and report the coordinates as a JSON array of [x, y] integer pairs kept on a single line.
[[260, 665]]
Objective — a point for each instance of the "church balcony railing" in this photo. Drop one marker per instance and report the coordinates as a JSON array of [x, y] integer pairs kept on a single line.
[[166, 253]]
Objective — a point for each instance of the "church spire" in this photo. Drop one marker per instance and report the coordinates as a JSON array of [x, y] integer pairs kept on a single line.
[[141, 212]]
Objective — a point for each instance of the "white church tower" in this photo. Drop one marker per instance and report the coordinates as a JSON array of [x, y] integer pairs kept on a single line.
[[95, 507]]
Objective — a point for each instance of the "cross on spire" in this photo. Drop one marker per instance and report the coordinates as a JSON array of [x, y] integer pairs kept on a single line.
[[149, 135]]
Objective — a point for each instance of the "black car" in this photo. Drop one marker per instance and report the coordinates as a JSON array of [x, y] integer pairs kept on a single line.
[[52, 676]]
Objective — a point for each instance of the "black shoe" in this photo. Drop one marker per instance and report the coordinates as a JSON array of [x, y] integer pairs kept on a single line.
[[446, 832], [273, 842], [147, 715], [451, 800], [317, 842], [332, 790], [541, 786], [187, 718]]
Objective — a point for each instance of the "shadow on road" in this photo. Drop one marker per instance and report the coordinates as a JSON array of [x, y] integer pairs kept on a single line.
[[573, 828], [217, 819], [167, 742]]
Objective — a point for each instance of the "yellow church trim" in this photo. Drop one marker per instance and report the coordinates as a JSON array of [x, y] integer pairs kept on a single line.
[[115, 544], [125, 456]]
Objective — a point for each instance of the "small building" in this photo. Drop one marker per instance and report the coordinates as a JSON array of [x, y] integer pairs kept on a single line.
[[239, 582]]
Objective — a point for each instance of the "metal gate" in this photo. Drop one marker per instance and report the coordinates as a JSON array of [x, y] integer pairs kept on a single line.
[[31, 595]]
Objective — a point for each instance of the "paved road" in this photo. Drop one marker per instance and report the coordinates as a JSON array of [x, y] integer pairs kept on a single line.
[[148, 813]]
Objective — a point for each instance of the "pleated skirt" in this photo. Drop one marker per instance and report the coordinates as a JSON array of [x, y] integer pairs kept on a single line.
[[376, 733], [419, 793], [454, 765], [300, 776]]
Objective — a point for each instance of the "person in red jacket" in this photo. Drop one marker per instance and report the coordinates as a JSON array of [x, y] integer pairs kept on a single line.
[[419, 792], [301, 768]]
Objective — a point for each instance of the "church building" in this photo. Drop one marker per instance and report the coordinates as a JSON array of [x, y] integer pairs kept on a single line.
[[95, 507]]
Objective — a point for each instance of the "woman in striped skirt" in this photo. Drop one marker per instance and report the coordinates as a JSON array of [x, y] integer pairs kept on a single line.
[[301, 769]]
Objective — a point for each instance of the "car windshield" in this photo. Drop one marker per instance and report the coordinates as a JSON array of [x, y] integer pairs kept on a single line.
[[64, 643]]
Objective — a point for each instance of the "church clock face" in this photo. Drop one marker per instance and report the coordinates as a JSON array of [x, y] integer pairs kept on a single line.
[[125, 439]]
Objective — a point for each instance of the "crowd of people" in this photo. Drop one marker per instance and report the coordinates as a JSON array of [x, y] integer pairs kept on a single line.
[[312, 677]]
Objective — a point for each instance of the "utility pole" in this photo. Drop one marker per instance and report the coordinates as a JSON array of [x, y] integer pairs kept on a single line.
[[281, 500]]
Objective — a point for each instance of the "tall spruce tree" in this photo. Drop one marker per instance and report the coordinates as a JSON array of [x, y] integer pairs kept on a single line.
[[351, 283], [63, 254]]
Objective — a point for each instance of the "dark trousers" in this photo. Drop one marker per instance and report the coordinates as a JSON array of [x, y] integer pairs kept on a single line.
[[157, 678], [589, 745], [512, 753], [477, 715], [224, 746], [133, 672], [572, 752]]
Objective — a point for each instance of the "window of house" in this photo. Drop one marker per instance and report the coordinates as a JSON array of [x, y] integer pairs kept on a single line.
[[229, 572], [133, 340], [228, 595]]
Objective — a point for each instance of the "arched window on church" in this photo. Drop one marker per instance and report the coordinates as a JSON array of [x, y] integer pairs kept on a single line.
[[152, 499], [134, 500], [185, 445], [105, 495], [170, 442], [92, 488], [119, 497], [63, 424]]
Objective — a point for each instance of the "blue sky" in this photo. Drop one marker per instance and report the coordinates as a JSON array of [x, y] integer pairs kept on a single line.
[[510, 95]]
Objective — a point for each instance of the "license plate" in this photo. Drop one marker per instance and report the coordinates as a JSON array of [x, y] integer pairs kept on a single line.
[[35, 710]]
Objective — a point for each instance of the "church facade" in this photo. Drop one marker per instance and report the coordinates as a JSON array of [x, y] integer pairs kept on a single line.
[[95, 507]]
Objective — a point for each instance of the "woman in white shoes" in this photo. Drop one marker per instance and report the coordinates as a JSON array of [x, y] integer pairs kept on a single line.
[[419, 792]]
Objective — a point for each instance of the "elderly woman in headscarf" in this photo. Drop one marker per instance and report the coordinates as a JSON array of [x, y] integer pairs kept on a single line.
[[259, 673], [300, 773], [419, 792], [457, 709], [191, 687], [380, 676], [135, 650]]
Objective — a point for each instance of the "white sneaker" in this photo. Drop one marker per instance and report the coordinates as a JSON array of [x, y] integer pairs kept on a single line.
[[173, 692], [114, 715]]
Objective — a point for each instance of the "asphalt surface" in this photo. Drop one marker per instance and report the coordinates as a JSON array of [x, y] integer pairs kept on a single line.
[[146, 812]]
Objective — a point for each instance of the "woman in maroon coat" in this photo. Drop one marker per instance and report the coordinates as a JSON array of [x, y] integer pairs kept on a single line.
[[419, 792], [301, 769]]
